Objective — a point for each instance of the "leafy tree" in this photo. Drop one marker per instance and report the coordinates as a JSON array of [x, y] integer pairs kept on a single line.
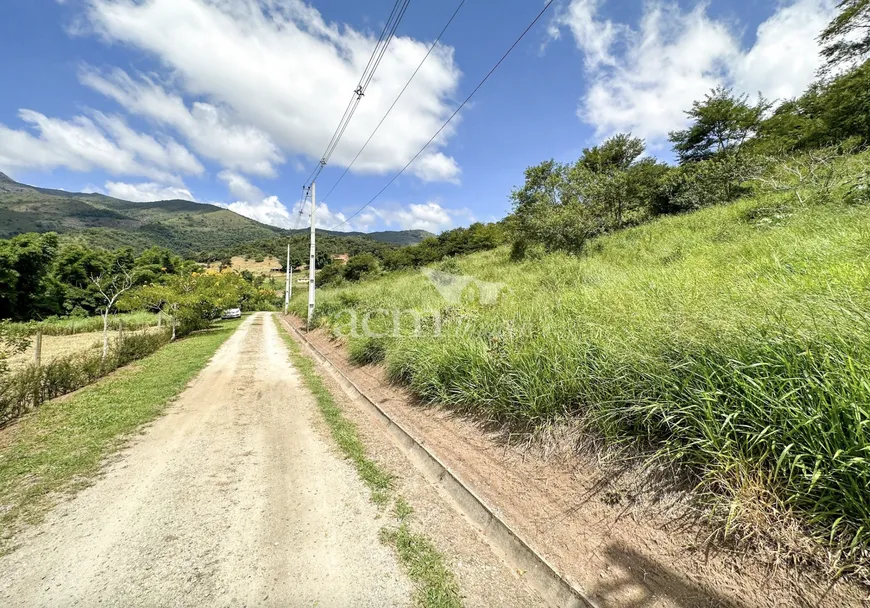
[[616, 154], [26, 288], [828, 113], [361, 265], [703, 184], [721, 123], [847, 37], [331, 274], [614, 183]]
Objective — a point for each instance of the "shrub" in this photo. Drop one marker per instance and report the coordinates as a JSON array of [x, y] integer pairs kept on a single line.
[[33, 385]]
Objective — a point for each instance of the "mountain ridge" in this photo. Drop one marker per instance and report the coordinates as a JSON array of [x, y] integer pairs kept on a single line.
[[186, 227]]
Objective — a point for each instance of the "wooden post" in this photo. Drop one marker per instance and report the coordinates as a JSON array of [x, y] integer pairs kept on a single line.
[[37, 348]]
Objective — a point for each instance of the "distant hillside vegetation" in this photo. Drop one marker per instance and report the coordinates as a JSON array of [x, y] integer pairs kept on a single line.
[[190, 229]]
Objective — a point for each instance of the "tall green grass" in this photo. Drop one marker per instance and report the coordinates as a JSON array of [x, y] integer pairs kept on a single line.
[[734, 341], [68, 326]]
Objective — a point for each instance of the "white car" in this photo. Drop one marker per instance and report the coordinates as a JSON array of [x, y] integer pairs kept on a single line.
[[233, 313]]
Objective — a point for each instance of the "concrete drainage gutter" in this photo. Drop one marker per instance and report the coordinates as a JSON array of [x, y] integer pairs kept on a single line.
[[551, 585]]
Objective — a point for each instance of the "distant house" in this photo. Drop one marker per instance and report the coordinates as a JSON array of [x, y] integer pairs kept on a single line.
[[341, 258]]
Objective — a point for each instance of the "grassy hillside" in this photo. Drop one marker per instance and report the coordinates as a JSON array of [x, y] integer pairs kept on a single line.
[[733, 340], [190, 229]]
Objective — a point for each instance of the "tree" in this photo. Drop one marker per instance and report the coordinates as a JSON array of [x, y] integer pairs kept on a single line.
[[616, 154], [330, 274], [26, 289], [359, 265], [613, 182], [847, 37], [828, 113], [721, 123], [111, 285]]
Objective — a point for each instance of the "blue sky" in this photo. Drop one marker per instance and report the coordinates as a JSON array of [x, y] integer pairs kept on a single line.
[[232, 101]]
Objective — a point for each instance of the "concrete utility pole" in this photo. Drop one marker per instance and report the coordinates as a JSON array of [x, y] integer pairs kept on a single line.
[[288, 288], [311, 261]]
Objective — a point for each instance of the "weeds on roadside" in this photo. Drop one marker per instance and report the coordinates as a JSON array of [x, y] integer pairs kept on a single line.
[[426, 566]]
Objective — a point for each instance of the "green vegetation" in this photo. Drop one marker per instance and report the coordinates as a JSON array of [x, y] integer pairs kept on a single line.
[[193, 230], [68, 326], [60, 447], [28, 388], [711, 314], [435, 584], [735, 341], [41, 278]]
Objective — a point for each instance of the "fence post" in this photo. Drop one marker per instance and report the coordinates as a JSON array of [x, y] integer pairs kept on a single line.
[[37, 348]]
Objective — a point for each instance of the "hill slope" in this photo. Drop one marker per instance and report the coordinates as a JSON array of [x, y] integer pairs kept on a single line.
[[188, 228], [734, 341]]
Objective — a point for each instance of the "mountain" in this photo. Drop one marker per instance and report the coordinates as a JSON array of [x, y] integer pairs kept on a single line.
[[188, 228], [395, 237]]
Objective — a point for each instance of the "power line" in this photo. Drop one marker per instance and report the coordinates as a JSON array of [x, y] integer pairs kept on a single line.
[[389, 31], [452, 116], [402, 92]]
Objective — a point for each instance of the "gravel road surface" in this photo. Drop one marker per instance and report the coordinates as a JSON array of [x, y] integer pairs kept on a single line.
[[231, 499]]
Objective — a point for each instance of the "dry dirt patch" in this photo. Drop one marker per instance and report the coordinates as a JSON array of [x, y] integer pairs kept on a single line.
[[56, 347]]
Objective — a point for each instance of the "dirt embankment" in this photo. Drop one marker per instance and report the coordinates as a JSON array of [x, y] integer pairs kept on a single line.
[[621, 550]]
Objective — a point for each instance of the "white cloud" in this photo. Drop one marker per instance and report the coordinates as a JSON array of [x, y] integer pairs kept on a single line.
[[268, 211], [785, 56], [271, 210], [644, 78], [80, 144], [147, 192], [211, 131], [168, 155], [429, 216], [278, 67], [240, 187]]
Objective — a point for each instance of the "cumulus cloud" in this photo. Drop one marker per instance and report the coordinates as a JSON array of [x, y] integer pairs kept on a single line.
[[240, 187], [430, 216], [272, 211], [212, 131], [644, 77], [276, 67], [147, 192], [83, 144]]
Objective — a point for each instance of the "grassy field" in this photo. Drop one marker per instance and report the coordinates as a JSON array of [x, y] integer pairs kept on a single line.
[[733, 340], [60, 446], [56, 346], [69, 326]]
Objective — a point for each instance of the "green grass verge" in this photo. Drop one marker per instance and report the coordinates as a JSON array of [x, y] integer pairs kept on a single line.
[[436, 586], [61, 446], [434, 582]]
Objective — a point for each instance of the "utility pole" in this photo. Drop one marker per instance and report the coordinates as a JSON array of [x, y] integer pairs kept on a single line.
[[311, 261], [289, 285]]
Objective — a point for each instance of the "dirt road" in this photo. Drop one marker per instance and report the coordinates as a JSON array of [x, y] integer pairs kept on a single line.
[[231, 499]]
